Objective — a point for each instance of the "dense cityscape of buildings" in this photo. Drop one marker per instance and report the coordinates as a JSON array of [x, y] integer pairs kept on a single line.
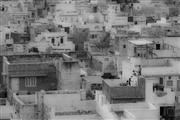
[[89, 59]]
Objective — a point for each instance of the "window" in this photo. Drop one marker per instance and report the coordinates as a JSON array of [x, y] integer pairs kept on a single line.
[[135, 50], [93, 36], [130, 19], [32, 14], [158, 87], [7, 36], [96, 86], [169, 77], [158, 46], [169, 83], [62, 40], [2, 9], [161, 80], [124, 46], [52, 41], [30, 81]]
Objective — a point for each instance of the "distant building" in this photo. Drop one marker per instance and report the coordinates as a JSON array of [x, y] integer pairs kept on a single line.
[[6, 41], [17, 15], [40, 6], [163, 88], [48, 105], [65, 13], [24, 74], [90, 84], [68, 73], [128, 94], [161, 76], [140, 48], [53, 42], [120, 100], [20, 41]]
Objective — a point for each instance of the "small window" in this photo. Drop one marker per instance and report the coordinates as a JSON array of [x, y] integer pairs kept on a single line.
[[169, 77], [158, 87], [52, 41], [158, 46], [169, 83], [93, 36], [30, 81], [124, 46], [33, 15], [161, 80], [135, 50], [3, 9], [62, 40], [7, 36]]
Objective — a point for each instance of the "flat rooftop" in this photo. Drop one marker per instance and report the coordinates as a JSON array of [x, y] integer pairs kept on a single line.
[[38, 58], [140, 42], [32, 58], [172, 69], [113, 82], [93, 79], [79, 117]]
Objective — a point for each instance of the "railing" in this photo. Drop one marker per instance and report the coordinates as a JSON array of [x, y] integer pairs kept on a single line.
[[28, 69]]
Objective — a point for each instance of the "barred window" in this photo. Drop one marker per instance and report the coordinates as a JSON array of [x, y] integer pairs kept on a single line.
[[30, 81]]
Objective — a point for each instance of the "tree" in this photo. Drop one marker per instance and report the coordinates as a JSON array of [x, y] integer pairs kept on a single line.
[[79, 37], [104, 43]]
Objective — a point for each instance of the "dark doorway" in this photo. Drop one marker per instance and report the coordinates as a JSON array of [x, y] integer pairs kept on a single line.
[[158, 46], [167, 112]]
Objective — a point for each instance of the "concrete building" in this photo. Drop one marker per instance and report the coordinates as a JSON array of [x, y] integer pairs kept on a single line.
[[18, 15], [41, 8], [20, 41], [160, 94], [102, 63], [7, 111], [53, 42], [129, 94], [28, 73], [66, 13], [48, 105], [90, 84], [68, 73], [75, 108], [161, 76], [165, 83], [124, 105], [140, 48], [6, 41]]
